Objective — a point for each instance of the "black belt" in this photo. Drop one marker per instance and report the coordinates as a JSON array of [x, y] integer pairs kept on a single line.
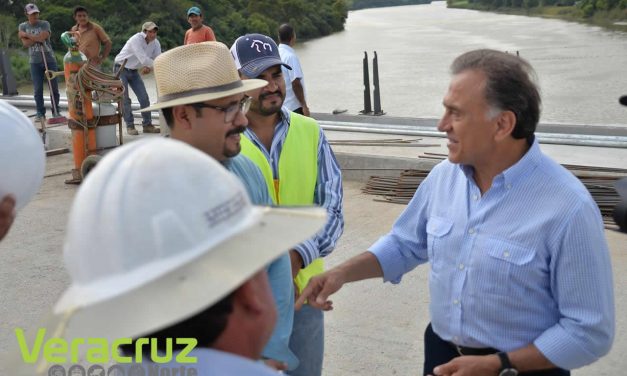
[[128, 69], [463, 350]]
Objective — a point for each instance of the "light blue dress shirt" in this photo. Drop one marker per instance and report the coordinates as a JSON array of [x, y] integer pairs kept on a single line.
[[327, 194], [209, 362], [525, 263], [279, 271]]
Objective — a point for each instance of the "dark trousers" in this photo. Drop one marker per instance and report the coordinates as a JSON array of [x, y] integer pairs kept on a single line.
[[439, 351], [299, 110]]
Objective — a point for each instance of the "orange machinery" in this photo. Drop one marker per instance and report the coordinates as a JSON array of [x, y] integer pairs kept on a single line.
[[93, 130]]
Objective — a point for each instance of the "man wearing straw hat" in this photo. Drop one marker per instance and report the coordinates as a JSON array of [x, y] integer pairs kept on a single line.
[[195, 274], [300, 169], [202, 100]]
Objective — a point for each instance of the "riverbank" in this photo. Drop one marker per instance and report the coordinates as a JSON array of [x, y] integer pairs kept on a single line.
[[615, 19]]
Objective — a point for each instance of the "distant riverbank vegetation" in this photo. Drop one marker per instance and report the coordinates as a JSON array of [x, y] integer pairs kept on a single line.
[[122, 18], [363, 4], [611, 14]]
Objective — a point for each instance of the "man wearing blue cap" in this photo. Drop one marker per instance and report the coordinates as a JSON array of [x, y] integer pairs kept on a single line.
[[198, 32], [300, 169]]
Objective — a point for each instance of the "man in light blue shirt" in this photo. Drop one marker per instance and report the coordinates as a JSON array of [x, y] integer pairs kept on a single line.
[[520, 278], [208, 111]]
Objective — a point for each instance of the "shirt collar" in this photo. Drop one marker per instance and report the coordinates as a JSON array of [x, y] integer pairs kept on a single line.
[[89, 25], [519, 169], [235, 364], [286, 46], [215, 362], [526, 164], [284, 115], [284, 120]]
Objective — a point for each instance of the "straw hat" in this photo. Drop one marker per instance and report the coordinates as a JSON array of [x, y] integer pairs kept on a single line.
[[196, 73]]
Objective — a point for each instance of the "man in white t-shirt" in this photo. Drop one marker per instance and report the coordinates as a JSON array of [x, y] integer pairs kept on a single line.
[[295, 92]]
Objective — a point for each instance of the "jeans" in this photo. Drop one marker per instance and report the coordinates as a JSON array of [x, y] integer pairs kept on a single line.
[[132, 77], [438, 352], [37, 72], [307, 341]]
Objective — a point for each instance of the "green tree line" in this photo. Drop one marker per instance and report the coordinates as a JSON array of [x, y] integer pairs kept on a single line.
[[122, 18], [570, 9], [362, 4], [228, 18]]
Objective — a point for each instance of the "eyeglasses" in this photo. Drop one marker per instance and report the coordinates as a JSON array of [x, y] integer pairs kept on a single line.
[[229, 112]]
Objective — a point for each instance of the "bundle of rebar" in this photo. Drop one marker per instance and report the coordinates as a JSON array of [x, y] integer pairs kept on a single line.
[[398, 142], [598, 180]]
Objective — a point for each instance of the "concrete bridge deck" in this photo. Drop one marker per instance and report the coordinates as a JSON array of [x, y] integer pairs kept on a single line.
[[375, 329]]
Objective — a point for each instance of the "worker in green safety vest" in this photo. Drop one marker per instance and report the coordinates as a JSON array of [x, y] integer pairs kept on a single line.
[[300, 169]]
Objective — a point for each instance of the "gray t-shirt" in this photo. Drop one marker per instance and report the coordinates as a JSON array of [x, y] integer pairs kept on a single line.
[[34, 51]]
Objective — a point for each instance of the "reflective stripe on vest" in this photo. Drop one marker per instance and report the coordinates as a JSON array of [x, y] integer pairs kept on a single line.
[[298, 172]]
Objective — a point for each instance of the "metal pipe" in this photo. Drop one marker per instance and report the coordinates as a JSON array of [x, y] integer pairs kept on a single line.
[[367, 108], [377, 93], [411, 130], [547, 138]]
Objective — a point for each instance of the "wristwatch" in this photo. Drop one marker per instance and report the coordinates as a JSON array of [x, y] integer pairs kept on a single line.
[[506, 366]]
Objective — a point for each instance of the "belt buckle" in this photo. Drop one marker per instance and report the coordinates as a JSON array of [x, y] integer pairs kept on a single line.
[[459, 350]]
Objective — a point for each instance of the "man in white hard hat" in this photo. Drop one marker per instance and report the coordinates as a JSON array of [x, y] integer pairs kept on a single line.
[[203, 102], [195, 274], [22, 163]]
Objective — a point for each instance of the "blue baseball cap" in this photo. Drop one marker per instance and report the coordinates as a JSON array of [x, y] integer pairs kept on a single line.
[[254, 53], [194, 10]]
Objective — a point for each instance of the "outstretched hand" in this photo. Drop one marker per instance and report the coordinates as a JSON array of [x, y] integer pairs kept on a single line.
[[275, 364], [318, 290], [7, 214]]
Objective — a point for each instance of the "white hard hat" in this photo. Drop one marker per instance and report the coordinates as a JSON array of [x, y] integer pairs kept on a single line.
[[159, 231], [22, 156]]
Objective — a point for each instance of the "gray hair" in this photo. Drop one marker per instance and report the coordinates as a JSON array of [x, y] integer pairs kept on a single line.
[[510, 86]]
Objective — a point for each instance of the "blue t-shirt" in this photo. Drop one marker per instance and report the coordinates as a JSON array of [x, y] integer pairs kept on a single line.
[[34, 51], [279, 271]]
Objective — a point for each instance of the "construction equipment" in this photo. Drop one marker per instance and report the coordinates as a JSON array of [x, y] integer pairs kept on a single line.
[[603, 183], [93, 115], [56, 118]]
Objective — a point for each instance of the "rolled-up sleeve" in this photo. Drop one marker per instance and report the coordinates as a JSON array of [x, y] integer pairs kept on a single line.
[[583, 289], [405, 246], [145, 54], [328, 194]]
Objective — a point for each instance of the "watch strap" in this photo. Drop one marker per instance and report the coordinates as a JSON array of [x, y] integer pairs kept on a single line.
[[505, 363]]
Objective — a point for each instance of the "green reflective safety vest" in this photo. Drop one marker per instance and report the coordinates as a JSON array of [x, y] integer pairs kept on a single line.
[[298, 172]]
